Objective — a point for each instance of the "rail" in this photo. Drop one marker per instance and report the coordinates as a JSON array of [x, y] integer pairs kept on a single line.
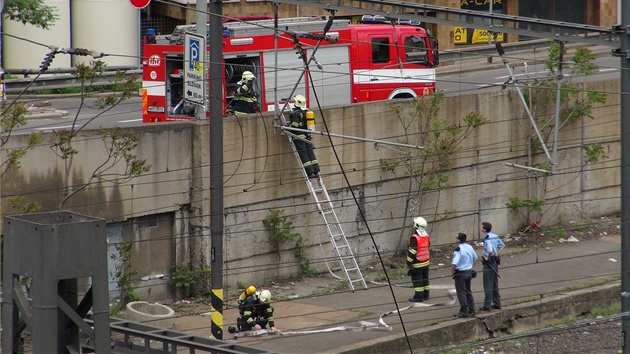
[[134, 337], [62, 81]]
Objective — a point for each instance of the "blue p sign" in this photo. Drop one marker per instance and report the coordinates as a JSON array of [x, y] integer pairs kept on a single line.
[[194, 53]]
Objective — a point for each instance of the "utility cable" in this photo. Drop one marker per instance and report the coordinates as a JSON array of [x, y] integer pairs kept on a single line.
[[351, 190]]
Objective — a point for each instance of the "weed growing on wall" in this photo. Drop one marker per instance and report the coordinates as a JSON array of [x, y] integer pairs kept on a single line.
[[182, 278], [551, 117], [428, 167], [125, 273], [119, 143], [282, 232]]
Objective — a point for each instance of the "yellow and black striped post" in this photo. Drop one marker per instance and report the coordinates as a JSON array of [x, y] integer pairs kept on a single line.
[[216, 311]]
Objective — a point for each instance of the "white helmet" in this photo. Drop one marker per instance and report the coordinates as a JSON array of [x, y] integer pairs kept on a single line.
[[248, 76], [265, 296], [300, 101], [419, 223]]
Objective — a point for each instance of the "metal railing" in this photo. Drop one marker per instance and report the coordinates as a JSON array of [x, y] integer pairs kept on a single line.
[[134, 337]]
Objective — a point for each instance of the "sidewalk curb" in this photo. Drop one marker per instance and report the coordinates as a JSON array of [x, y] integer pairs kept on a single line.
[[520, 318]]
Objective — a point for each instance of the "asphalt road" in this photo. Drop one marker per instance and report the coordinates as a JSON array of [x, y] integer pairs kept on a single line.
[[464, 76]]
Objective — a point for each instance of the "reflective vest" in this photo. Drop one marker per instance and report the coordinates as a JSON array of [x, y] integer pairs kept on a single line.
[[422, 248]]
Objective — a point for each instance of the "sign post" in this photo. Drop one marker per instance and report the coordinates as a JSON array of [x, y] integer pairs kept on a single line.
[[139, 4], [194, 69]]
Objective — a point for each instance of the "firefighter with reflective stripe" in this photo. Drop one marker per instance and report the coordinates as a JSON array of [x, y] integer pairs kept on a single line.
[[304, 148], [264, 311], [245, 98], [246, 306], [418, 260]]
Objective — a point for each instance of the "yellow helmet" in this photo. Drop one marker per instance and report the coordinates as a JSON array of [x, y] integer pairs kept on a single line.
[[300, 101], [265, 296], [251, 290]]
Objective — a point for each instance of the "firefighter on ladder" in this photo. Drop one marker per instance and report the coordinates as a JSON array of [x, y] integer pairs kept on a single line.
[[245, 99], [304, 148], [418, 260]]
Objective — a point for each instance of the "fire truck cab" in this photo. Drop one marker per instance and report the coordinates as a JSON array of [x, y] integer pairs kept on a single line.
[[368, 61]]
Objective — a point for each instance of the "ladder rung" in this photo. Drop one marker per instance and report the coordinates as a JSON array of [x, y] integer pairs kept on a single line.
[[344, 252]]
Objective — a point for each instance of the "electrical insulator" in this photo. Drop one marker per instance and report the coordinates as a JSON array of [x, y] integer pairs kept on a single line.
[[300, 52], [81, 51], [47, 61]]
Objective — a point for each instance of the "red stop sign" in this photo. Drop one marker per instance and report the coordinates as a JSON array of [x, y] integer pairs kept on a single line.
[[139, 4]]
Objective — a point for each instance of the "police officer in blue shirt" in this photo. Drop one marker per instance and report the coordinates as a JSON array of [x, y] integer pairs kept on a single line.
[[464, 258], [492, 246]]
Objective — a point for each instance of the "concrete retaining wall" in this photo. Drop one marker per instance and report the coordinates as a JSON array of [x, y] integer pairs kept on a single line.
[[261, 173]]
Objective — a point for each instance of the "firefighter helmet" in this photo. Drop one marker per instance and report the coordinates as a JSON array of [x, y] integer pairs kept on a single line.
[[265, 296], [251, 290], [248, 76], [300, 101], [419, 223]]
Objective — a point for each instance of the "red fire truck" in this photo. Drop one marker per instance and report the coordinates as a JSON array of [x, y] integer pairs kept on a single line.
[[368, 61]]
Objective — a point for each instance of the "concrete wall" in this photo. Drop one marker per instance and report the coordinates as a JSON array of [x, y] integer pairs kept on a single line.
[[261, 173]]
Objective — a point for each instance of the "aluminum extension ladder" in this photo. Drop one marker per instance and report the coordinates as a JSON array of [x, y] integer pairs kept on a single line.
[[338, 240]]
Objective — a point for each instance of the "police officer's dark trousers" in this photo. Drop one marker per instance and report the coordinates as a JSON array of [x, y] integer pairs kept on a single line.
[[463, 278], [491, 283]]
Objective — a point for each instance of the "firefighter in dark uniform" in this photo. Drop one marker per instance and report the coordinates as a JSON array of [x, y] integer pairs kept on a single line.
[[264, 311], [304, 148], [245, 99], [246, 307], [418, 260]]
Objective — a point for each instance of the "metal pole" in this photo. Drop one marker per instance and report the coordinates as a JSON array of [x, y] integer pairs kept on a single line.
[[554, 160], [490, 29], [624, 53], [525, 105], [275, 60], [202, 19], [376, 142], [216, 167]]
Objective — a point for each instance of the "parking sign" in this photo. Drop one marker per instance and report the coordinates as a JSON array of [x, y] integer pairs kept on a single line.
[[194, 68]]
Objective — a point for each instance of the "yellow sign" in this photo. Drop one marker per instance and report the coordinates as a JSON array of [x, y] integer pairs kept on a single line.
[[481, 36], [198, 66], [465, 3], [460, 35]]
